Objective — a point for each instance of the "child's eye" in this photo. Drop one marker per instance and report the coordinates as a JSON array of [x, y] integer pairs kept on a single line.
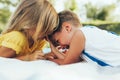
[[57, 42]]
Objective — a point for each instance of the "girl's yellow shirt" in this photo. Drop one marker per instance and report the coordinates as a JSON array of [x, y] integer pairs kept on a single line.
[[18, 42]]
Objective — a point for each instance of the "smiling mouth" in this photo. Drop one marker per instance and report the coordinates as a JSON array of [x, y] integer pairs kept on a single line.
[[66, 47]]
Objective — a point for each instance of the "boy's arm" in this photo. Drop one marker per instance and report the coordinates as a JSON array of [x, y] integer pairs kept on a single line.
[[61, 61], [75, 50], [56, 52]]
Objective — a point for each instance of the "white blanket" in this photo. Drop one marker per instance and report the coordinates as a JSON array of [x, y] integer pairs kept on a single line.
[[12, 69]]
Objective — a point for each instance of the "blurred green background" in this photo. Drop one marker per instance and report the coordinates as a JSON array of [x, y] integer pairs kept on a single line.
[[101, 13]]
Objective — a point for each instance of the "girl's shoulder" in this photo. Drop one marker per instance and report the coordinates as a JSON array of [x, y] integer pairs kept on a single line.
[[14, 34], [15, 40]]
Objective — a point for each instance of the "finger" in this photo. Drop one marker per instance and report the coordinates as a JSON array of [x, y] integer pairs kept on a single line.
[[40, 57], [41, 54], [50, 57], [39, 51]]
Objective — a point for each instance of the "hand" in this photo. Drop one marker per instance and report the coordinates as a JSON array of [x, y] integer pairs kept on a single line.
[[36, 55], [53, 48], [50, 56]]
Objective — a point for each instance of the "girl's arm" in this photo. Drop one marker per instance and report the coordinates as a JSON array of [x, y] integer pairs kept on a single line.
[[76, 47], [7, 52], [37, 55], [10, 53]]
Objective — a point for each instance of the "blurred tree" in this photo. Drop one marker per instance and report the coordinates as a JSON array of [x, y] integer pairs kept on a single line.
[[8, 2], [91, 11], [4, 15], [118, 0], [71, 5], [105, 12], [5, 11], [95, 13]]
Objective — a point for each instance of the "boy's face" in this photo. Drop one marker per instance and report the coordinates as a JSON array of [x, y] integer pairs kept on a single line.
[[63, 37]]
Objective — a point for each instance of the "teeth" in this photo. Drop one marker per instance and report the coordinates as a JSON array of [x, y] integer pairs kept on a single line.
[[62, 50]]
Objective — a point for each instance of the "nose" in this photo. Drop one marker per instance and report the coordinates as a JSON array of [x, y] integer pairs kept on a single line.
[[62, 44]]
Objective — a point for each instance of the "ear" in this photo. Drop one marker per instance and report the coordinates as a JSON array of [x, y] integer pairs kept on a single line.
[[67, 26]]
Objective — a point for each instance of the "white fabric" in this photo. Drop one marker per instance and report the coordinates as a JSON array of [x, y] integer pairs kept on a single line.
[[12, 69], [102, 45]]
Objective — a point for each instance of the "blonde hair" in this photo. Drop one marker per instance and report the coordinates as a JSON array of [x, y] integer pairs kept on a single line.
[[38, 14]]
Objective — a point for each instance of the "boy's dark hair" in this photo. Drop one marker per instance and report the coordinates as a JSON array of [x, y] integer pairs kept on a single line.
[[65, 16]]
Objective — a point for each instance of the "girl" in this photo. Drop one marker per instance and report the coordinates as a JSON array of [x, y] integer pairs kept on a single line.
[[24, 37]]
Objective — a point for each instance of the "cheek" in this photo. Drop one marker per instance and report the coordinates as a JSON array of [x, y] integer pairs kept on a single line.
[[65, 39], [68, 39]]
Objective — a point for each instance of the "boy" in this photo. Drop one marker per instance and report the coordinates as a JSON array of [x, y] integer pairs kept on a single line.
[[91, 43]]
